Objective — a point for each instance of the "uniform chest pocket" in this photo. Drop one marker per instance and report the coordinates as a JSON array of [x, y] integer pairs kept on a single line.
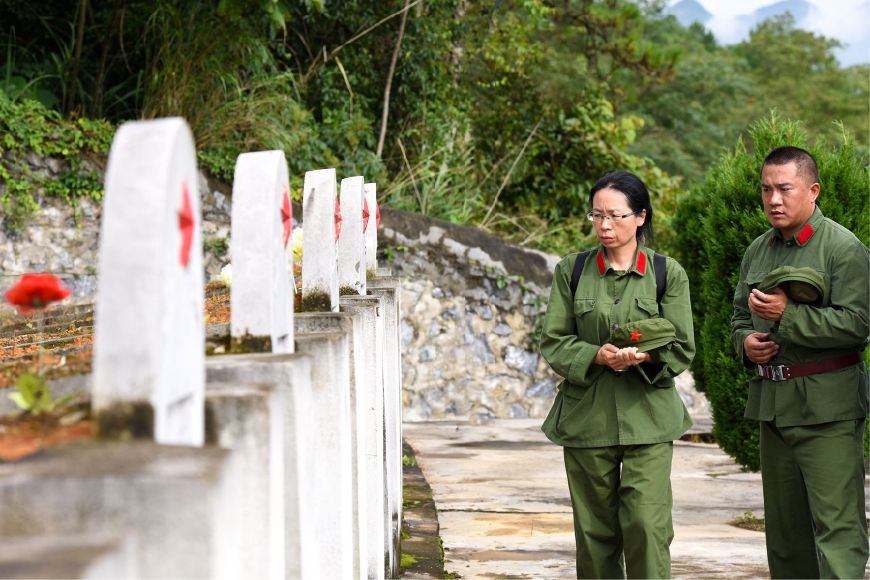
[[648, 306], [753, 279], [583, 306]]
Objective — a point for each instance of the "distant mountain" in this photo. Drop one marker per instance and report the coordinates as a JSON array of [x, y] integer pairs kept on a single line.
[[800, 9], [688, 12]]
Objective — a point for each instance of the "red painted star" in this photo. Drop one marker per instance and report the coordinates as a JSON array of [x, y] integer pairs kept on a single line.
[[377, 215], [635, 336], [286, 216], [365, 214], [185, 224], [337, 219]]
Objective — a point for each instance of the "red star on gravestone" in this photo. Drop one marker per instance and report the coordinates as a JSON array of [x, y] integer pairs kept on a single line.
[[185, 224], [337, 219], [365, 214], [635, 336], [286, 216], [377, 215]]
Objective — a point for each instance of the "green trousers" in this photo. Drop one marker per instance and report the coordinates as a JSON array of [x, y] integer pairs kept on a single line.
[[813, 481], [621, 496]]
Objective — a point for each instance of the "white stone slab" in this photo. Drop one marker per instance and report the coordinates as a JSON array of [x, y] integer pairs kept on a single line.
[[371, 230], [261, 298], [150, 337], [351, 244], [319, 255]]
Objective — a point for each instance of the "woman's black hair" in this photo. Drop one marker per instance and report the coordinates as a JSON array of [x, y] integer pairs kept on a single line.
[[635, 192]]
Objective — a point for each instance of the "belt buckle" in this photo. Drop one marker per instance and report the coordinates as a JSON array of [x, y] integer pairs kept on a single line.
[[772, 372]]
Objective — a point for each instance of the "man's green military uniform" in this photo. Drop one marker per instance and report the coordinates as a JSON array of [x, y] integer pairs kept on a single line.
[[604, 419], [812, 401]]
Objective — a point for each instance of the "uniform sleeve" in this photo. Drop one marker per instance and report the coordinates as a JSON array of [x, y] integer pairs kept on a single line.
[[568, 356], [676, 307], [741, 318], [842, 324]]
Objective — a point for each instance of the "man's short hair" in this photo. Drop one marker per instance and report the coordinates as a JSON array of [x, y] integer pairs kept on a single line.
[[806, 163]]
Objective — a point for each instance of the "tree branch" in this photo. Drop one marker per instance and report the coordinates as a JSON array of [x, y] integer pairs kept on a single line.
[[386, 110]]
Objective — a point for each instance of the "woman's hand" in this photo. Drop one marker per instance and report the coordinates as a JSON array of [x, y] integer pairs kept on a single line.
[[619, 359]]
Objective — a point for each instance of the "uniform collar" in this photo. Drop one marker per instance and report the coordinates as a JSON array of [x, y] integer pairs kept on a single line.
[[803, 236], [639, 267]]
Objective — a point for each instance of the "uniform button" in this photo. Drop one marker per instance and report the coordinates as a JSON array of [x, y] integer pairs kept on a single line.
[[788, 244]]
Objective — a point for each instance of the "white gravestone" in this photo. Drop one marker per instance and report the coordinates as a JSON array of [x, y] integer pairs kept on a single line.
[[150, 337], [320, 219], [351, 244], [373, 219], [261, 297]]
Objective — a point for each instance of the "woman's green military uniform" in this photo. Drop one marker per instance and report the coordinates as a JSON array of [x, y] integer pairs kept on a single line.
[[617, 429]]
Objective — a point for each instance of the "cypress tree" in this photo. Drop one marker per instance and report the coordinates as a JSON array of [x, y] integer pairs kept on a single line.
[[728, 215]]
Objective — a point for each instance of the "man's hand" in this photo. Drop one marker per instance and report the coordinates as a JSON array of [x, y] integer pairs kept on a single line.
[[619, 359], [759, 348], [767, 306]]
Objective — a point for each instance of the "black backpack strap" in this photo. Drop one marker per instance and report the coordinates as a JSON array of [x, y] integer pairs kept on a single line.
[[661, 268], [578, 269]]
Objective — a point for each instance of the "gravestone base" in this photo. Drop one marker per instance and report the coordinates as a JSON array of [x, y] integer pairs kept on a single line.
[[387, 289], [269, 429], [176, 506], [371, 490]]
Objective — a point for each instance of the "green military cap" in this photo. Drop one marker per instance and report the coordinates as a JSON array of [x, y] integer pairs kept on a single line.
[[803, 285], [646, 335]]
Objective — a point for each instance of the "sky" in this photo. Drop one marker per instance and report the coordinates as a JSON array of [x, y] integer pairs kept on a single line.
[[845, 20]]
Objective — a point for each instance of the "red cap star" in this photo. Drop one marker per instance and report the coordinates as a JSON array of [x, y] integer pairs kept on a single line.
[[635, 336]]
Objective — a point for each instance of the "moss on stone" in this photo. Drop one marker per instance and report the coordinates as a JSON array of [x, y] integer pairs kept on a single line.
[[125, 421], [316, 301], [249, 343], [347, 291]]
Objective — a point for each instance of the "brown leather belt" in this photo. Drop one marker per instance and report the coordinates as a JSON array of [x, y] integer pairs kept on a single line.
[[785, 372]]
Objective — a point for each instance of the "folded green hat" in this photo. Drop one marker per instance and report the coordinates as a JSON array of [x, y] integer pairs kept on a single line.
[[646, 335], [803, 285]]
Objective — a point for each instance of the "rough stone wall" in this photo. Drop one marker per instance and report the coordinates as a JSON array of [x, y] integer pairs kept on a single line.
[[468, 322], [64, 240]]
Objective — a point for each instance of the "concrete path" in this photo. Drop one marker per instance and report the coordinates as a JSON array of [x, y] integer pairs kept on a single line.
[[502, 500]]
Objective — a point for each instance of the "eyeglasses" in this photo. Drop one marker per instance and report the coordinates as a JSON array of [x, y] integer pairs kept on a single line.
[[594, 216]]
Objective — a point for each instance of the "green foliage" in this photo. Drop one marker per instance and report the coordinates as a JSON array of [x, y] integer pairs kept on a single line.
[[33, 396], [728, 207], [217, 246], [26, 126]]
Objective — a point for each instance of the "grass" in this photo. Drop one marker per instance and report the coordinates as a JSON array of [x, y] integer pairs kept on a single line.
[[748, 521]]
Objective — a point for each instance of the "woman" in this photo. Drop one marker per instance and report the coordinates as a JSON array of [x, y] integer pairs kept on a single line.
[[617, 413]]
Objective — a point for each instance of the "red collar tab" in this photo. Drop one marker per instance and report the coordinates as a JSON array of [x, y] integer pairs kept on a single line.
[[641, 262], [805, 234], [601, 266]]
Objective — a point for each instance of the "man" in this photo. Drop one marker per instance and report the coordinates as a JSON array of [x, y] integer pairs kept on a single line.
[[811, 394]]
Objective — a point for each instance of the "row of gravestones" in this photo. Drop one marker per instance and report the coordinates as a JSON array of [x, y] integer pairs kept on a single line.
[[283, 463]]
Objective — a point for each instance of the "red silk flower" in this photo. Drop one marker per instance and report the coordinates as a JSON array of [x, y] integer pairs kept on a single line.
[[36, 291]]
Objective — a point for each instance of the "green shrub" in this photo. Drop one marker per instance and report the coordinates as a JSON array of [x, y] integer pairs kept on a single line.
[[27, 126], [728, 207]]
